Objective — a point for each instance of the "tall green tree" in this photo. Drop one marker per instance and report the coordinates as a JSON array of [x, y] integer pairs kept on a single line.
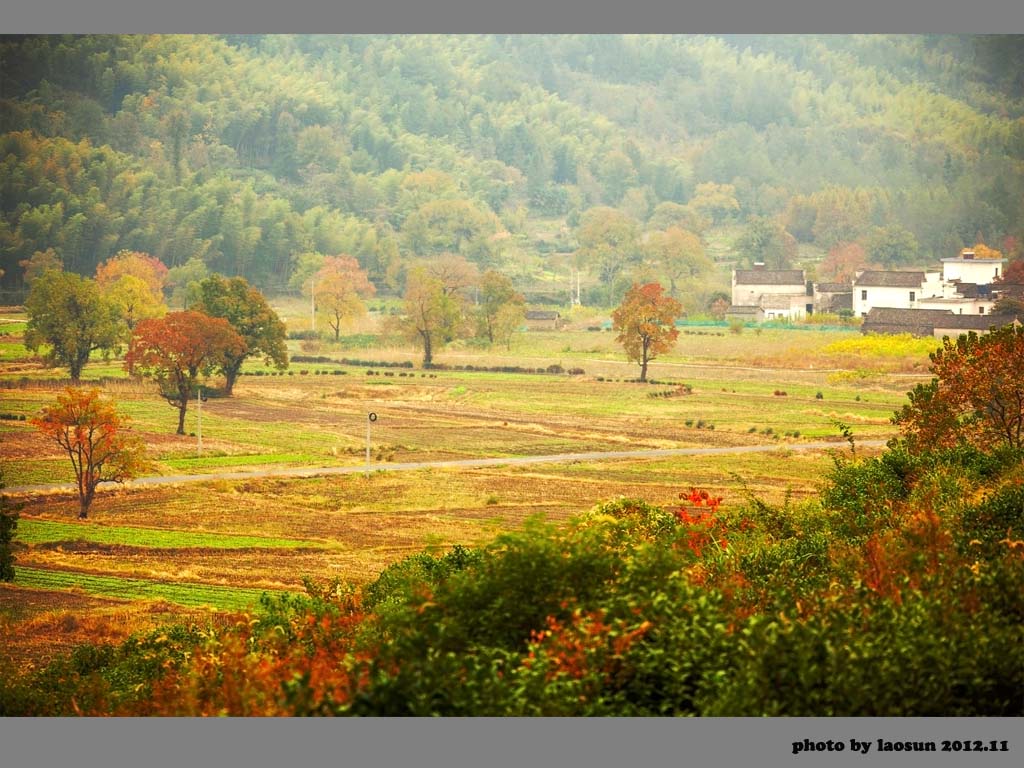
[[252, 318], [891, 246], [608, 241], [678, 255], [501, 307], [70, 319], [766, 241]]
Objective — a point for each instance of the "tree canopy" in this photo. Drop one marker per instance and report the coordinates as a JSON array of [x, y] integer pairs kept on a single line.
[[69, 318], [178, 349], [250, 316], [96, 438], [240, 153], [340, 287], [431, 315], [646, 323], [976, 396]]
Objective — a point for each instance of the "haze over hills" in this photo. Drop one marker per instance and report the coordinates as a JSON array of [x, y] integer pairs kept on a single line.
[[533, 155]]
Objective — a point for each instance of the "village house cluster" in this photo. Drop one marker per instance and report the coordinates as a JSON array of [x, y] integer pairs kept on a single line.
[[960, 297]]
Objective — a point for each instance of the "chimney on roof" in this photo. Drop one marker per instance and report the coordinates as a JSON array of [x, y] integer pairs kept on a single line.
[[967, 253], [758, 265]]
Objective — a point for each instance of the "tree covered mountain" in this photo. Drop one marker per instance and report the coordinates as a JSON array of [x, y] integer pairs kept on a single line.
[[247, 152]]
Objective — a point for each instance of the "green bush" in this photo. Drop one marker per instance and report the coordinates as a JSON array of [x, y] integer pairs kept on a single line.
[[874, 658], [999, 517], [8, 527]]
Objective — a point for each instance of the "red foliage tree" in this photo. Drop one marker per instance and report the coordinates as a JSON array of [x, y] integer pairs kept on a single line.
[[177, 349], [95, 438], [843, 262], [976, 397], [646, 323]]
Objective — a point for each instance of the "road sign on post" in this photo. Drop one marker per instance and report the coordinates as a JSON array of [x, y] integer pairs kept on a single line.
[[370, 418]]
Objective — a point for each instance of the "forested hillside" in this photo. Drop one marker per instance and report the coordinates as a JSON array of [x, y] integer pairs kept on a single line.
[[247, 152]]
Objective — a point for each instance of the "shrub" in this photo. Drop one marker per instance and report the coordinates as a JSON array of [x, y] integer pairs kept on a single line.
[[997, 518], [8, 526], [918, 657]]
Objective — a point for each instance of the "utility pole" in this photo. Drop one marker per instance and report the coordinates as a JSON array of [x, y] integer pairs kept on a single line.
[[199, 420], [312, 304], [370, 418]]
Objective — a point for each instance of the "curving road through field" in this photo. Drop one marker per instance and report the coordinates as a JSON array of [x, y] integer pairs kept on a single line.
[[649, 453]]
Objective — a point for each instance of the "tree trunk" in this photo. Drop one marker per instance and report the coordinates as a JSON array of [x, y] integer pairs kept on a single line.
[[85, 501], [643, 370], [231, 376], [428, 355], [181, 416], [75, 369]]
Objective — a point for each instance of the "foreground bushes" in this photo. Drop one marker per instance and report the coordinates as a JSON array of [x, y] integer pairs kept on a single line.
[[900, 594]]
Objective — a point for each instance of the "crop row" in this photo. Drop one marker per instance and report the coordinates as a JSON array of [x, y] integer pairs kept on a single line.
[[196, 595], [46, 531]]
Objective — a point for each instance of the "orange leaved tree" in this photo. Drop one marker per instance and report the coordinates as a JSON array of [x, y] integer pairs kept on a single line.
[[179, 348], [149, 269], [96, 439], [646, 323], [976, 397], [340, 286]]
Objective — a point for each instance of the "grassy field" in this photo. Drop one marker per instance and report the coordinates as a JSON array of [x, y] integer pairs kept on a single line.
[[159, 551]]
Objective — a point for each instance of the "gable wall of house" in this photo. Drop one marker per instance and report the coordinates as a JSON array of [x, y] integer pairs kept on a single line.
[[866, 297], [979, 271], [960, 305]]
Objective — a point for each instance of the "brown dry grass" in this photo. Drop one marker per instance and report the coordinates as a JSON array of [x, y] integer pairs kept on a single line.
[[37, 626]]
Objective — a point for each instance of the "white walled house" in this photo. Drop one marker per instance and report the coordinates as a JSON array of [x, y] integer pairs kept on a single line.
[[891, 290], [781, 293], [962, 299], [967, 268]]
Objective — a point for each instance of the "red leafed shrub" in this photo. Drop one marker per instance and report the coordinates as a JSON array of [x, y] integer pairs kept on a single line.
[[700, 519]]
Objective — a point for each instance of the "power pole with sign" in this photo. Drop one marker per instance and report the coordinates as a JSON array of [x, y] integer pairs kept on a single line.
[[370, 418]]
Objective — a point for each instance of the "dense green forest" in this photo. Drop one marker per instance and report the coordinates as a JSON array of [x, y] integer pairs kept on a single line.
[[521, 153]]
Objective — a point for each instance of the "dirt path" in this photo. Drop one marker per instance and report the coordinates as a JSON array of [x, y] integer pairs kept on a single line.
[[651, 453]]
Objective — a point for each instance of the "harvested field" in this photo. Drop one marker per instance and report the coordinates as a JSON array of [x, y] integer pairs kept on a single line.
[[225, 541]]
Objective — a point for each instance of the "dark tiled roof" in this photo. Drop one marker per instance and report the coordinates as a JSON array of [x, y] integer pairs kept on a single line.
[[975, 322], [770, 277], [743, 309], [833, 302], [542, 314], [919, 322], [875, 278], [834, 288]]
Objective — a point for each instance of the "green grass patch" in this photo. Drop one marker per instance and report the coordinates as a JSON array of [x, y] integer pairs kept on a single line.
[[218, 462], [223, 598], [47, 531]]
